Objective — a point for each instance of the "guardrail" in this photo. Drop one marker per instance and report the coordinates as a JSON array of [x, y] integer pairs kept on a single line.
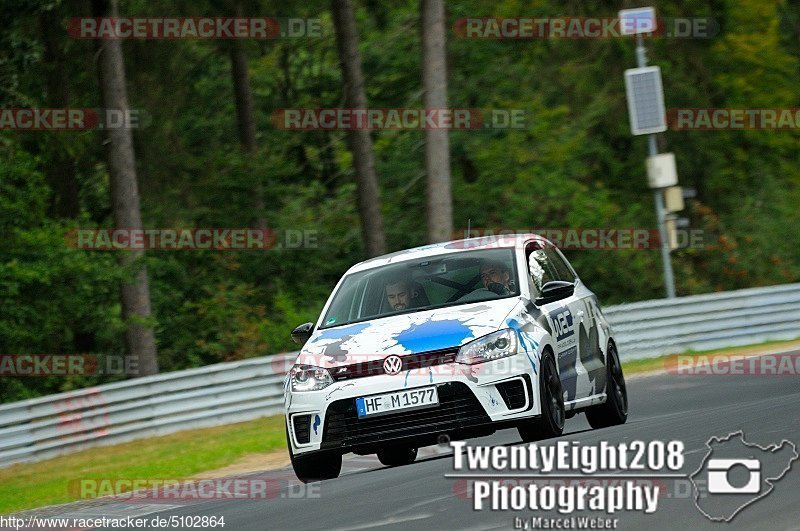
[[704, 322], [232, 392], [143, 407]]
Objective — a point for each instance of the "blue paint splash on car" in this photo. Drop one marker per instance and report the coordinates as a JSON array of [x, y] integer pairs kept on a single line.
[[341, 332], [316, 423], [433, 335], [492, 400], [524, 340]]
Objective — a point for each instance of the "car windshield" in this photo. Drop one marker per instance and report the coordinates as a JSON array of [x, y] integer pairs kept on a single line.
[[430, 282]]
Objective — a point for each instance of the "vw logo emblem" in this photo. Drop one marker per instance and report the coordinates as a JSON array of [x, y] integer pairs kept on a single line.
[[392, 365]]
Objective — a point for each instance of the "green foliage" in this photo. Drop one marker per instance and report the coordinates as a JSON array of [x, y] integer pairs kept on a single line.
[[574, 164], [54, 299]]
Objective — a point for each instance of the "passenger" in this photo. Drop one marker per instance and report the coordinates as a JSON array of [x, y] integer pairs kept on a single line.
[[496, 277]]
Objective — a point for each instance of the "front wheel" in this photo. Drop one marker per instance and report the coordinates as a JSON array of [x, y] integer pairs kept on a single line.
[[551, 422], [316, 466], [615, 409]]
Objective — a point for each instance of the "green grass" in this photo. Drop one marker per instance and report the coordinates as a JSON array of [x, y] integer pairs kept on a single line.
[[176, 456], [655, 364]]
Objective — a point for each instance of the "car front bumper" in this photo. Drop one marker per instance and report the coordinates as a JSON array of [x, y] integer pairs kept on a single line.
[[473, 400]]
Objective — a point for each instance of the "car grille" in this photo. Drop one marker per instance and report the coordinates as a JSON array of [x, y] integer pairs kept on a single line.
[[410, 362], [513, 393], [302, 428], [458, 409]]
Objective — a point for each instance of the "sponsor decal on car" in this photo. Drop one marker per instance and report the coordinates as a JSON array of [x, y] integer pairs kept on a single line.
[[563, 324]]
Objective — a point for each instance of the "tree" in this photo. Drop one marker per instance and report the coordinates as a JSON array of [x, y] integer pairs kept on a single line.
[[369, 206], [245, 115], [60, 168], [437, 144], [135, 291]]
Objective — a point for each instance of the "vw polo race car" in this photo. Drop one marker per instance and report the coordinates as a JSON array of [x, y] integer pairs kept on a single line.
[[449, 341]]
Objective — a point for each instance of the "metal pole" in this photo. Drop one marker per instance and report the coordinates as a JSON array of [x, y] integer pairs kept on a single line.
[[669, 280]]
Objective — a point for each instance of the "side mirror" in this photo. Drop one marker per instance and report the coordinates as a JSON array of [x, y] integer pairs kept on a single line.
[[301, 334], [555, 290]]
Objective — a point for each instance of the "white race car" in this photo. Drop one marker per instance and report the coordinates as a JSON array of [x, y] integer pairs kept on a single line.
[[449, 341]]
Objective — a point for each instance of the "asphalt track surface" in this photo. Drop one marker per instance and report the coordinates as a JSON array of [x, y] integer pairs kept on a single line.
[[419, 496]]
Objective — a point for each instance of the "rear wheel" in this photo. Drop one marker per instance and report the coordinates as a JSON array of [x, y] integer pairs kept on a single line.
[[316, 466], [397, 455], [551, 422], [615, 409]]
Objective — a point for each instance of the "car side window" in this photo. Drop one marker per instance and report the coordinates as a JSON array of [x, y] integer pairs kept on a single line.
[[560, 265], [540, 267]]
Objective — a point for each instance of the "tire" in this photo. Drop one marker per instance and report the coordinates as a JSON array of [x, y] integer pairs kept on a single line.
[[551, 422], [614, 410], [316, 466], [397, 455]]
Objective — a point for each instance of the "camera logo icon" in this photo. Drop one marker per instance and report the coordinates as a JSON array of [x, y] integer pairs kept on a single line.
[[719, 472], [735, 473]]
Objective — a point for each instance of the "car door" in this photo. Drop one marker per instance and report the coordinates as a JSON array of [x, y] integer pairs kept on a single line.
[[589, 366], [563, 315]]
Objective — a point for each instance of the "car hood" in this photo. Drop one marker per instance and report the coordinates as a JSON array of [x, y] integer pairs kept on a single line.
[[405, 334]]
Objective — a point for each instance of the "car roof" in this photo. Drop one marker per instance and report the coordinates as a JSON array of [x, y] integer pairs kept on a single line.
[[499, 241]]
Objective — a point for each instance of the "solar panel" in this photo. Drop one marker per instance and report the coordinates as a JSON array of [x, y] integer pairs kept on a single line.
[[645, 100]]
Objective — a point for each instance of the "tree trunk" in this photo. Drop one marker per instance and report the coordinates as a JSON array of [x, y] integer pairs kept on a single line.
[[369, 206], [437, 143], [135, 292], [245, 115]]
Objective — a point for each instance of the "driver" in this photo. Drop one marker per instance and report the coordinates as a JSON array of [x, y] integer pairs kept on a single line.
[[496, 277], [399, 294]]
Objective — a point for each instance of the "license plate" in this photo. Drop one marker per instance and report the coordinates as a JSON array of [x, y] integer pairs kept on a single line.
[[368, 406]]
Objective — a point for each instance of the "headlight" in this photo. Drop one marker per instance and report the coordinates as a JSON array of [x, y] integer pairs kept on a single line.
[[488, 348], [309, 378]]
